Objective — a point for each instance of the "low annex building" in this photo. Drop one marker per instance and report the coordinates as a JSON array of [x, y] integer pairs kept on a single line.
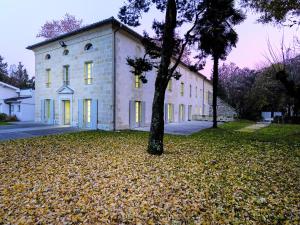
[[17, 102], [82, 79]]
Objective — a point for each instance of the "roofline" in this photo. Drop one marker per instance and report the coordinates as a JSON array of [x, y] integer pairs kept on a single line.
[[112, 21], [10, 86]]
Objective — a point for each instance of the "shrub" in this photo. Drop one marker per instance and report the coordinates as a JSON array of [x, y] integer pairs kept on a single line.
[[12, 118], [3, 117]]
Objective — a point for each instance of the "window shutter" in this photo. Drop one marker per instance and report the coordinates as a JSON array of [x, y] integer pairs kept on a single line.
[[42, 110], [132, 114], [94, 114], [143, 114], [51, 111], [80, 113], [166, 113]]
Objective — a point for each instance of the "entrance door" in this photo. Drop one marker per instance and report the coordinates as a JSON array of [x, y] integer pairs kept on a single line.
[[66, 112], [87, 113], [181, 112], [190, 113]]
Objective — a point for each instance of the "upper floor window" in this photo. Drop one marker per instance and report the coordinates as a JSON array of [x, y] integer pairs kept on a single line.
[[66, 52], [88, 46], [88, 72], [190, 90], [181, 88], [66, 75], [170, 85], [48, 56], [48, 78], [137, 81]]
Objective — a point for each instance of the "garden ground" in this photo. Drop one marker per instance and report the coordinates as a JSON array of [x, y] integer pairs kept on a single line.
[[215, 176]]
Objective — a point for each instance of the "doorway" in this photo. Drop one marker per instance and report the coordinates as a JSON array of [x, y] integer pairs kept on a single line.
[[189, 113], [66, 112], [87, 113]]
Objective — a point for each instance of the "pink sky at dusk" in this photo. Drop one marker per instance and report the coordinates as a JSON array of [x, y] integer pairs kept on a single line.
[[20, 21]]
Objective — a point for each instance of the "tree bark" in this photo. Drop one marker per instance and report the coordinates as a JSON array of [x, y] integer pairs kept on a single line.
[[155, 144], [215, 90]]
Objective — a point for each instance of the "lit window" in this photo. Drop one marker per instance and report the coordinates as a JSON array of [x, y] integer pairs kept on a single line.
[[66, 75], [138, 112], [181, 112], [47, 109], [137, 81], [170, 85], [48, 56], [170, 113], [182, 89], [88, 46], [48, 78], [88, 72], [87, 110]]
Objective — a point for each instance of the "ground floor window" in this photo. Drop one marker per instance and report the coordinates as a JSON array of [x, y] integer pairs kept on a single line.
[[47, 109], [170, 113], [181, 112], [138, 112], [87, 112]]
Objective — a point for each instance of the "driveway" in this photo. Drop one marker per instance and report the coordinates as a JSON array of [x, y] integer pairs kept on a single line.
[[183, 128], [18, 130]]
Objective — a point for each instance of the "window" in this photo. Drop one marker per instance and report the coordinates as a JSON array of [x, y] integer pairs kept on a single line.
[[88, 47], [138, 112], [87, 110], [170, 113], [137, 81], [182, 89], [196, 94], [88, 72], [19, 108], [190, 90], [181, 112], [209, 98], [48, 56], [48, 78], [170, 85], [47, 109], [66, 52], [12, 108], [66, 76]]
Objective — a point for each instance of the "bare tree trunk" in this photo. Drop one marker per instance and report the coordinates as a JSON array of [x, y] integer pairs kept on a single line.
[[215, 90], [155, 144]]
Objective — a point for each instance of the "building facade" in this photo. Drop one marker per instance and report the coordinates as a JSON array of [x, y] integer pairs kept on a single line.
[[82, 79], [16, 102]]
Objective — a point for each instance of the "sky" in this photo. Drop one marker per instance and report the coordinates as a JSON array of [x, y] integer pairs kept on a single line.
[[20, 21]]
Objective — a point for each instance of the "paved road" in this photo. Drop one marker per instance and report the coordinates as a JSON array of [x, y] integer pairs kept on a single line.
[[21, 130], [184, 128]]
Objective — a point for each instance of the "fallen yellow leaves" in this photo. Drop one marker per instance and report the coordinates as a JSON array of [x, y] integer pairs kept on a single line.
[[108, 178]]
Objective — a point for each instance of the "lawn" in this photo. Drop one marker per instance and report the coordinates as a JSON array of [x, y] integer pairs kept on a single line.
[[214, 177], [3, 123]]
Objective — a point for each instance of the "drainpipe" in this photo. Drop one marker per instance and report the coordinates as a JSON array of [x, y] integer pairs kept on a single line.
[[203, 98], [115, 77]]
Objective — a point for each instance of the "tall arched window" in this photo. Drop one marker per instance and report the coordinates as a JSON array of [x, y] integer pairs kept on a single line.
[[88, 46]]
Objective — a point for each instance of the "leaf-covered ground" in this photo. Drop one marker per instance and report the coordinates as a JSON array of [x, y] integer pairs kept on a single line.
[[214, 177]]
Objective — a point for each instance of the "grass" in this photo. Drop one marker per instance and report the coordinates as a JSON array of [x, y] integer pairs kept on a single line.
[[213, 177], [3, 123]]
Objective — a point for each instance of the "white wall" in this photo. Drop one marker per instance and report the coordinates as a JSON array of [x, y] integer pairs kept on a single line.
[[6, 92], [127, 46]]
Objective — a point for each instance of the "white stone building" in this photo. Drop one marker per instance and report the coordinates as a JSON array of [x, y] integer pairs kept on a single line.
[[14, 101], [82, 79]]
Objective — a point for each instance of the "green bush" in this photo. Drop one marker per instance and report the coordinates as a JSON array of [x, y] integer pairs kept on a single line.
[[12, 118], [3, 117]]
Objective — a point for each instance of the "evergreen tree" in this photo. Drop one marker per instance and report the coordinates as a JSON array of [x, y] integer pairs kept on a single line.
[[217, 36], [3, 66]]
